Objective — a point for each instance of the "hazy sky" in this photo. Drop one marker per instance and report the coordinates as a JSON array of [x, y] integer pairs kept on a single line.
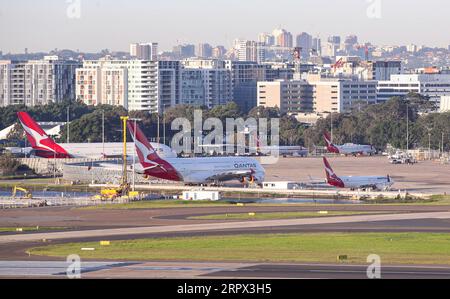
[[42, 25]]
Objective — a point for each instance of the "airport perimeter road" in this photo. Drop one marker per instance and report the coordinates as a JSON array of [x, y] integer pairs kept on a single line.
[[221, 226], [208, 270]]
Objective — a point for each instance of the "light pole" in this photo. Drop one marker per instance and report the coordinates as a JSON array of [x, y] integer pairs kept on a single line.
[[68, 124], [429, 145], [407, 128], [331, 122], [164, 128], [103, 132]]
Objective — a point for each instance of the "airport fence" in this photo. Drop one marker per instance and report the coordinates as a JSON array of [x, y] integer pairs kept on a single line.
[[8, 203]]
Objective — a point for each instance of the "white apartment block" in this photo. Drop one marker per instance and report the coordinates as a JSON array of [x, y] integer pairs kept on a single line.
[[433, 86], [37, 82], [129, 83]]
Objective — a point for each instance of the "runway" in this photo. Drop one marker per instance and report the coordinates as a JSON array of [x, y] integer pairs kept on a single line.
[[217, 226], [187, 270], [96, 225]]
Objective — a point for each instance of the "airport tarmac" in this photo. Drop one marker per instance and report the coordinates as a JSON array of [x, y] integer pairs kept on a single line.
[[423, 177]]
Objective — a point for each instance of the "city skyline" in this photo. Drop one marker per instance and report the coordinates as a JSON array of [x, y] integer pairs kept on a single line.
[[99, 24]]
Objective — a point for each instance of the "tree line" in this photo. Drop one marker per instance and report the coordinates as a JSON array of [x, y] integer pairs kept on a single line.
[[379, 124]]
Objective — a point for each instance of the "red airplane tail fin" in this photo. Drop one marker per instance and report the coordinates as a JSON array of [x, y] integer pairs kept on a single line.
[[43, 145], [332, 178], [330, 146], [144, 149], [151, 162]]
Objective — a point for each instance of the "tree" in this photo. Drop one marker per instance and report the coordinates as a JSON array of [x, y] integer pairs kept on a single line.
[[11, 166]]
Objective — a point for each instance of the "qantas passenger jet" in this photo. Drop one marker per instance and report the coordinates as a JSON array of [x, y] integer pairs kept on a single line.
[[45, 147], [356, 182], [348, 148], [195, 170]]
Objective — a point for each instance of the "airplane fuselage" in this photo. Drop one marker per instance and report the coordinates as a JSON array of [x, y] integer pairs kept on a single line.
[[370, 182], [96, 150], [209, 169], [354, 149]]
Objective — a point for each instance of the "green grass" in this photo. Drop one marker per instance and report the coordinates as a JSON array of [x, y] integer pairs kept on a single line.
[[29, 229], [275, 215], [393, 248]]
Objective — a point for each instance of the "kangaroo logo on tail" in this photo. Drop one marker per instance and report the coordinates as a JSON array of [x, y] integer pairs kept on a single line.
[[153, 165], [43, 145], [330, 146], [332, 178]]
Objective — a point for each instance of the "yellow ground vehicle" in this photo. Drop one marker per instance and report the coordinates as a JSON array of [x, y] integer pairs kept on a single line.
[[27, 194]]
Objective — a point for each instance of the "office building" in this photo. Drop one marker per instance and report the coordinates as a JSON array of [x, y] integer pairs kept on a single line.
[[251, 51], [203, 50], [245, 75], [184, 51], [341, 95], [290, 96], [266, 38], [218, 52], [283, 38], [304, 41], [144, 51], [433, 86]]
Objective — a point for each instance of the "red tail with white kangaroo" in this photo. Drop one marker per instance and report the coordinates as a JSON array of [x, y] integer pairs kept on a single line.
[[41, 143], [153, 165], [332, 178]]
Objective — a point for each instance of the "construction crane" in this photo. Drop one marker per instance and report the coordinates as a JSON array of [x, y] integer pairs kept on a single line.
[[27, 194], [338, 63], [124, 188]]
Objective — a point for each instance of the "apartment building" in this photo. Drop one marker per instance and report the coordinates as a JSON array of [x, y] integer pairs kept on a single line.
[[37, 82], [169, 84], [129, 83], [215, 82]]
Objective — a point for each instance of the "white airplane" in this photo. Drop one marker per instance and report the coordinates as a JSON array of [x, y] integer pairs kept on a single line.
[[44, 147], [357, 182], [348, 148], [195, 170]]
